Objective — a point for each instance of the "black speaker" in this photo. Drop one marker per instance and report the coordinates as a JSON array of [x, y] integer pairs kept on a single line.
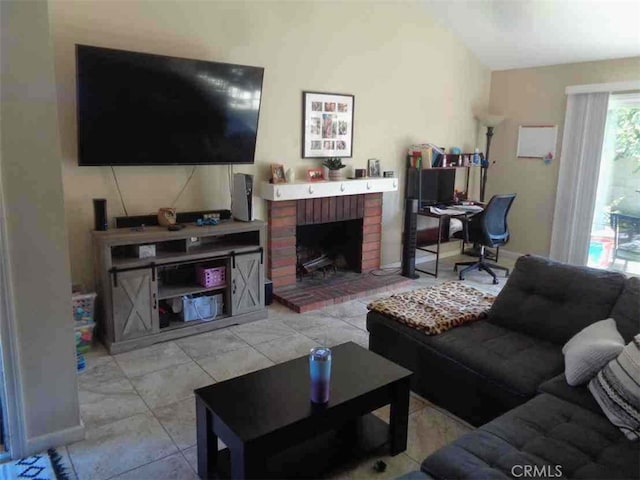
[[100, 214], [268, 291], [409, 238]]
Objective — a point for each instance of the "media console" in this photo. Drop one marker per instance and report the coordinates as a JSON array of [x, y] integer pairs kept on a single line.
[[133, 290]]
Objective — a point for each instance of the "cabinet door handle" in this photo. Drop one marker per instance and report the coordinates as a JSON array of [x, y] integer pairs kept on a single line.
[[155, 301], [233, 283]]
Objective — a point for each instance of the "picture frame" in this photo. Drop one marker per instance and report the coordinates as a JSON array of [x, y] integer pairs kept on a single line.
[[315, 175], [373, 169], [327, 125], [277, 173]]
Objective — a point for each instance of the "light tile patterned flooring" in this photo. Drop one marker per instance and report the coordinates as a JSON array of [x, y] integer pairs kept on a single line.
[[139, 410]]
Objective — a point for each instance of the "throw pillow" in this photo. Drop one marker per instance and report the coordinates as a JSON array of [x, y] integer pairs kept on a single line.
[[591, 349], [617, 391]]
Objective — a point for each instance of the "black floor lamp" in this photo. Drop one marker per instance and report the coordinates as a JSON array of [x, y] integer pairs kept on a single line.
[[490, 121]]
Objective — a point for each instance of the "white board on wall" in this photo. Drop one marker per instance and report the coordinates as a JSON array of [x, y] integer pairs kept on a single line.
[[537, 141]]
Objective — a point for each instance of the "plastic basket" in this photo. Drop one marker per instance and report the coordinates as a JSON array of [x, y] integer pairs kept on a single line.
[[211, 277], [81, 363], [84, 337], [83, 307]]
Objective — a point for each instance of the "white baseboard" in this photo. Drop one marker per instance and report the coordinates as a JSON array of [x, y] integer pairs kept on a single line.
[[54, 439]]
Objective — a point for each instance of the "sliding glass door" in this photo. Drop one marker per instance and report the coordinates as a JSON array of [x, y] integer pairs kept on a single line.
[[615, 232]]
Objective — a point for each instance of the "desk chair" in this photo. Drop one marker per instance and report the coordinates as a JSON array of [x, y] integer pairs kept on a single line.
[[488, 229]]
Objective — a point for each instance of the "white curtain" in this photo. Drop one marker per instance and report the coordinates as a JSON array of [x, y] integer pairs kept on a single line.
[[582, 142]]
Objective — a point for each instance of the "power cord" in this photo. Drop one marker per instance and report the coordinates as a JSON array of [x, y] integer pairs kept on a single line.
[[193, 170], [230, 178], [119, 192]]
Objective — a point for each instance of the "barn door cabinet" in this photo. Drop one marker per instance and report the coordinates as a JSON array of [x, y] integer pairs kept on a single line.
[[247, 283], [134, 293], [135, 304]]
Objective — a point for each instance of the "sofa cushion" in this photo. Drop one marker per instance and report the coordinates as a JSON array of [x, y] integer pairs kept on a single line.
[[545, 432], [581, 395], [617, 391], [510, 359], [589, 350], [626, 311], [442, 377], [554, 301]]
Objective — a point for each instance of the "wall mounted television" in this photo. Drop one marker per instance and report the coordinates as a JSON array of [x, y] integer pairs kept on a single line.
[[142, 109]]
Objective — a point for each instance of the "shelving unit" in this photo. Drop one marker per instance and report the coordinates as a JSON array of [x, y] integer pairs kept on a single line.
[[431, 239], [131, 289]]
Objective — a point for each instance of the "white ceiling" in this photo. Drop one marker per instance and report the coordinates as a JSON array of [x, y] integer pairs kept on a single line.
[[507, 34]]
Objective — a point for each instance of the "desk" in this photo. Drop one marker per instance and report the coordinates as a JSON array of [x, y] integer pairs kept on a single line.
[[443, 220]]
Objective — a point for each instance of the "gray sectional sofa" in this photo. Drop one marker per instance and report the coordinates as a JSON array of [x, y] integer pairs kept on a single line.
[[507, 370]]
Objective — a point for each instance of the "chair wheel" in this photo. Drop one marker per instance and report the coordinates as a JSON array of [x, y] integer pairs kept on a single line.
[[460, 277], [495, 281]]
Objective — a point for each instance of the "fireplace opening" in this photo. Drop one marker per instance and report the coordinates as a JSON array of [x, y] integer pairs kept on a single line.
[[327, 248]]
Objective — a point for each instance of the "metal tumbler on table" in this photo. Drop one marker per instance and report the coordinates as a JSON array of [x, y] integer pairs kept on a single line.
[[320, 372]]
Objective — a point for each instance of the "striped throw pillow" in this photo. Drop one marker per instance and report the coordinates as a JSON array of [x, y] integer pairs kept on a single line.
[[616, 388]]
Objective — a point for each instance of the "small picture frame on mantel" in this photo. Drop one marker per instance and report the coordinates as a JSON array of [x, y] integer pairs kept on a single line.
[[277, 173], [315, 175], [374, 167]]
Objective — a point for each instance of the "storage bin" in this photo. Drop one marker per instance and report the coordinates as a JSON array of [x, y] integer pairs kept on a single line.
[[210, 277], [83, 307], [84, 337], [206, 307], [81, 363]]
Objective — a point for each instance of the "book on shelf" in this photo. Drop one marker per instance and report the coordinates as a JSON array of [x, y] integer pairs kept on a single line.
[[424, 155]]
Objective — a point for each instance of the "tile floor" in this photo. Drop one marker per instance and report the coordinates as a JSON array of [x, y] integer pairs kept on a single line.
[[139, 411]]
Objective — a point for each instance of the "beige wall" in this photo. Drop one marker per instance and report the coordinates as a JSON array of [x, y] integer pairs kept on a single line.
[[38, 258], [536, 96], [412, 81]]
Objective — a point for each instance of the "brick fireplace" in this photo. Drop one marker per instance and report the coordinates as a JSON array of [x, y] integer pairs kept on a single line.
[[285, 216], [285, 220]]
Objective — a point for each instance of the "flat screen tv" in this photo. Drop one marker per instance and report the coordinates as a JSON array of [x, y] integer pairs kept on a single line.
[[141, 109]]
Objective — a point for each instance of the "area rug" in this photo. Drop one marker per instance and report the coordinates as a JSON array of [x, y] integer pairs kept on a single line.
[[43, 466]]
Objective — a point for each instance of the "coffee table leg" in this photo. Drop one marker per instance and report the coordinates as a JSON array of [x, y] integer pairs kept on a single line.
[[207, 441], [245, 464], [399, 418]]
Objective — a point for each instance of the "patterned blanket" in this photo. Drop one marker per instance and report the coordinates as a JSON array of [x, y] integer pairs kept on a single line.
[[437, 309]]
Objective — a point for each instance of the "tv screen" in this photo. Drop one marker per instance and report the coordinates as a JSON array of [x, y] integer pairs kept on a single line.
[[437, 186], [446, 186], [142, 109]]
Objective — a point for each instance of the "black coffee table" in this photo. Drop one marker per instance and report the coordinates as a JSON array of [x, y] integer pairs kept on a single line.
[[272, 429]]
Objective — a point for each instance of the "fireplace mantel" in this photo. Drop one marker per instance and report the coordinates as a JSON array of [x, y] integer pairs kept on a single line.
[[301, 190]]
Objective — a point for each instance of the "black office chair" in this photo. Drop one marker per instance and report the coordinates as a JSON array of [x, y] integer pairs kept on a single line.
[[488, 229]]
